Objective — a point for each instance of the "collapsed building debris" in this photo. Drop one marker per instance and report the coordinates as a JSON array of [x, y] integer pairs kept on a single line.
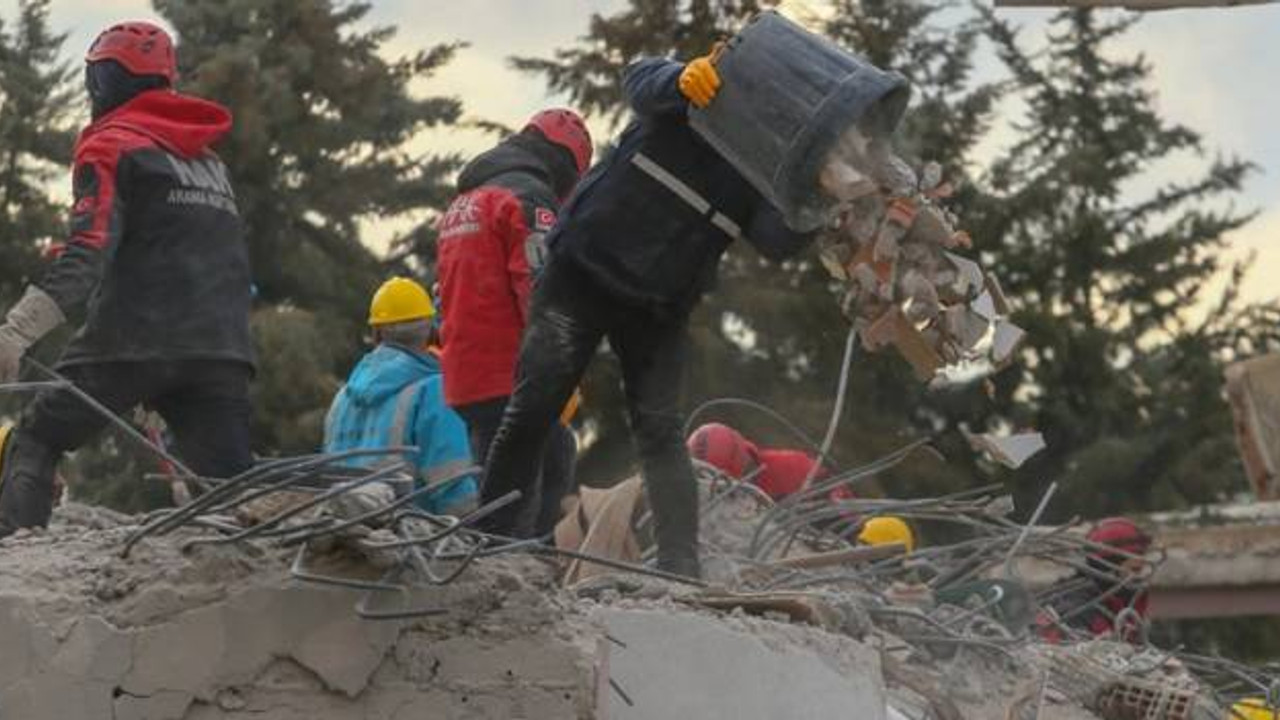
[[210, 614], [1009, 450], [897, 251]]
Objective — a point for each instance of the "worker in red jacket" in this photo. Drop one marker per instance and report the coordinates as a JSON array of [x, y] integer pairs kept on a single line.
[[156, 260], [1111, 599], [778, 472], [490, 250]]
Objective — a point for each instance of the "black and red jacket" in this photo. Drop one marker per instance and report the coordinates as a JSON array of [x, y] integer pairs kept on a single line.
[[490, 247], [1098, 619], [157, 250]]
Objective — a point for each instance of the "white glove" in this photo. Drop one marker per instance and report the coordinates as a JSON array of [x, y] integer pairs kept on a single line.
[[363, 500], [35, 316]]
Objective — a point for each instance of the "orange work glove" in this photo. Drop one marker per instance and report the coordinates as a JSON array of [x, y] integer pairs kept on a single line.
[[700, 81]]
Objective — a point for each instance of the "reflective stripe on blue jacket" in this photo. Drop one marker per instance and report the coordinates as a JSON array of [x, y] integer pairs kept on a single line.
[[395, 397]]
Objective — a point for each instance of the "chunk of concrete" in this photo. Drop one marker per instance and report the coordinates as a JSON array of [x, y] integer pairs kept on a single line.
[[164, 705], [1010, 450], [180, 654], [682, 665], [95, 651], [1008, 339]]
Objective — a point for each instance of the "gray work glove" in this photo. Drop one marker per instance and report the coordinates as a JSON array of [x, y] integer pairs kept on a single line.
[[363, 500], [35, 316]]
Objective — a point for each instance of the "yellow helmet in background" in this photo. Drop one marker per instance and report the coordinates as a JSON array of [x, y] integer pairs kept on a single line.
[[400, 300], [887, 530], [1252, 709]]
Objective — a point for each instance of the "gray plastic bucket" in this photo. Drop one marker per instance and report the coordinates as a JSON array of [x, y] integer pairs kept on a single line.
[[786, 98]]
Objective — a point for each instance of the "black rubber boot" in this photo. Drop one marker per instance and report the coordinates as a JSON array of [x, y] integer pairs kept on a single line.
[[673, 497], [26, 483], [688, 566]]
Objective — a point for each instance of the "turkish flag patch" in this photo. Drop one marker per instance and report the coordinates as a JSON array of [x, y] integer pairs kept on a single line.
[[544, 219]]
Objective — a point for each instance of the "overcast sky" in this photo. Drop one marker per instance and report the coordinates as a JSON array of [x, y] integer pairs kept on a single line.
[[1215, 70]]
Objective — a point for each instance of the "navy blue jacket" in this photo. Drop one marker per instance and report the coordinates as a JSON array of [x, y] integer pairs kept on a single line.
[[641, 239]]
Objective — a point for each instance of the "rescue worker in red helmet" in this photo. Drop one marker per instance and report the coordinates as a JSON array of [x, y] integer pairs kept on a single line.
[[1110, 599], [157, 261], [490, 250], [779, 472], [631, 255]]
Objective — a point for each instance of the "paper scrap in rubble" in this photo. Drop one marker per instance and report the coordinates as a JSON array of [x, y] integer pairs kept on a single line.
[[985, 306], [1009, 450], [970, 274], [1008, 338]]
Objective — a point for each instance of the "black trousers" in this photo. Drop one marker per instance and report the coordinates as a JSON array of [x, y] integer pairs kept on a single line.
[[204, 402], [555, 478], [570, 314]]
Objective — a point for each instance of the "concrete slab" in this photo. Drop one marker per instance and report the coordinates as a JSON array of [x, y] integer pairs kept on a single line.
[[682, 665]]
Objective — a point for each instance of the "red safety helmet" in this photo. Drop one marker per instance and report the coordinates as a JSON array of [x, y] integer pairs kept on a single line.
[[143, 48], [785, 471], [566, 129], [723, 447], [1122, 534]]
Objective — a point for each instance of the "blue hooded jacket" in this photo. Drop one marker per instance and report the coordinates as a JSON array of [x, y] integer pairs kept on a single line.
[[395, 397]]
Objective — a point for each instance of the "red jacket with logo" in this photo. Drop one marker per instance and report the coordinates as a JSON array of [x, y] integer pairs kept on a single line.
[[157, 250], [490, 246]]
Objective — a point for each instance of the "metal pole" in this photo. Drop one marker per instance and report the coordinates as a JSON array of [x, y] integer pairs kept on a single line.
[[181, 493]]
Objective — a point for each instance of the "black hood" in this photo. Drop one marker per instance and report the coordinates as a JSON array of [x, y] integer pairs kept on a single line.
[[110, 85], [525, 153]]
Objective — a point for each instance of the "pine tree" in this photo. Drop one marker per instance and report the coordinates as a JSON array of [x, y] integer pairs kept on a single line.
[[589, 73], [39, 102], [1125, 387], [321, 140], [321, 148]]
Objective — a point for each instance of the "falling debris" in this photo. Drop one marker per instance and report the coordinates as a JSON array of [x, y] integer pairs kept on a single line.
[[895, 249], [1010, 450]]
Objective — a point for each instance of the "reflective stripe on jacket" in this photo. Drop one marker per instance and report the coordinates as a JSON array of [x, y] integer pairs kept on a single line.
[[653, 218], [395, 397], [489, 248]]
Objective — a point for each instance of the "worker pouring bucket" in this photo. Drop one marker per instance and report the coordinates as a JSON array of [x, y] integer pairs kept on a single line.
[[787, 100]]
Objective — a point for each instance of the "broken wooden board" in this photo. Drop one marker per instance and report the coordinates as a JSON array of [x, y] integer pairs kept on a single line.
[[1253, 388], [797, 606], [893, 328], [851, 556]]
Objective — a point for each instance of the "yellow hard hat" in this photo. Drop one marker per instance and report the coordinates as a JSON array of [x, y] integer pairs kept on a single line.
[[400, 300], [886, 530], [1252, 709]]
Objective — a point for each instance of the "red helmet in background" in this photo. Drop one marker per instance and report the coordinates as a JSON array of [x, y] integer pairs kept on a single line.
[[1122, 534], [143, 48], [724, 448], [566, 129], [786, 470]]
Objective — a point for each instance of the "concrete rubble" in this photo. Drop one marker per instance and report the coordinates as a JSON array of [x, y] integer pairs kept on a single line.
[[181, 631], [223, 633], [896, 249]]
